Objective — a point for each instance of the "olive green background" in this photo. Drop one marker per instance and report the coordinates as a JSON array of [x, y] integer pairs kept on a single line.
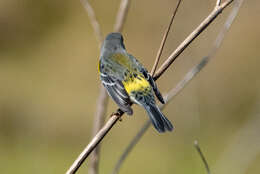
[[49, 85]]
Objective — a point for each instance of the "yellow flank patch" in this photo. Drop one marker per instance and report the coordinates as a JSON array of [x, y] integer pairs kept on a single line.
[[136, 84], [99, 66]]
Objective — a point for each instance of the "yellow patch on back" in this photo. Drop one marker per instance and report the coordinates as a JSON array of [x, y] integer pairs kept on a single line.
[[136, 84], [121, 59]]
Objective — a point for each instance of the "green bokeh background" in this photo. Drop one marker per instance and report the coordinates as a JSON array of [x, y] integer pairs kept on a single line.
[[49, 85]]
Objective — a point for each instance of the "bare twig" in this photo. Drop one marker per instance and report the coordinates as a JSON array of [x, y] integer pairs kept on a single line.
[[102, 101], [99, 120], [217, 10], [227, 25], [196, 145], [131, 146], [180, 86], [218, 3], [92, 145], [114, 117], [121, 15], [159, 53], [93, 20]]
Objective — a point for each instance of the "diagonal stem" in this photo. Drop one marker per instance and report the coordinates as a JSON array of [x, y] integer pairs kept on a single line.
[[215, 12], [196, 145], [92, 17], [159, 53], [121, 15]]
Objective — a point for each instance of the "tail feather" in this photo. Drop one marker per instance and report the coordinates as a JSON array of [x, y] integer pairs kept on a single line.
[[160, 122]]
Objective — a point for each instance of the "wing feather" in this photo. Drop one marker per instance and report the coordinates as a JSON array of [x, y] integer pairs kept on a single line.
[[117, 91]]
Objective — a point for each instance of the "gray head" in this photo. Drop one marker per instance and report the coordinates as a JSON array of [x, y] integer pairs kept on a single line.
[[114, 42]]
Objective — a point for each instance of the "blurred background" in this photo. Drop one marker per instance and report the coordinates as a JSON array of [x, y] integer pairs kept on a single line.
[[49, 85]]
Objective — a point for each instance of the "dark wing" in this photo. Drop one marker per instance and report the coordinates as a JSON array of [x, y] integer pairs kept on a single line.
[[149, 78], [117, 91]]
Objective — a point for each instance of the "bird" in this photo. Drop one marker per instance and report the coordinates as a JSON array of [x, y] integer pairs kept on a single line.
[[127, 81]]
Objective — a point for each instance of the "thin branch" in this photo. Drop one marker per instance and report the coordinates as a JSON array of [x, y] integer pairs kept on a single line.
[[159, 53], [180, 86], [121, 16], [218, 2], [130, 147], [102, 101], [115, 117], [92, 145], [227, 25], [93, 20], [196, 145], [191, 37], [99, 120]]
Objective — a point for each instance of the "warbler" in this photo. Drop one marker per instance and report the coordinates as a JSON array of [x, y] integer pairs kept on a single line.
[[127, 81]]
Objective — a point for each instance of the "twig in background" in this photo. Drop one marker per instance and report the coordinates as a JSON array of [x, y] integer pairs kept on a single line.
[[180, 86], [92, 145], [115, 117], [196, 145], [238, 155], [229, 21], [102, 100], [93, 20], [215, 12], [121, 15], [130, 147], [98, 122], [218, 2], [159, 53]]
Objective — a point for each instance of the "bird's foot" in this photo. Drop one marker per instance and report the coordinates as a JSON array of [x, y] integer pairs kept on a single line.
[[118, 113]]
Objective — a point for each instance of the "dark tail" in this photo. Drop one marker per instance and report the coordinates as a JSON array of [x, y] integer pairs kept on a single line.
[[160, 122]]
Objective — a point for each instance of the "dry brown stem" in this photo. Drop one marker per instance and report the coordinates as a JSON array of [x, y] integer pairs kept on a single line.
[[215, 12], [196, 145], [102, 101], [92, 17], [159, 53], [121, 15]]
